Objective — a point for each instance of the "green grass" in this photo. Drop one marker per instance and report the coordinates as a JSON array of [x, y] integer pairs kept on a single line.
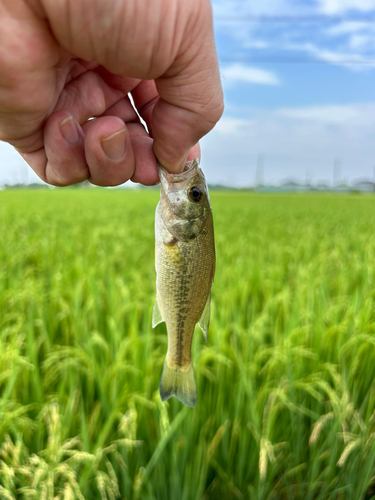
[[286, 391]]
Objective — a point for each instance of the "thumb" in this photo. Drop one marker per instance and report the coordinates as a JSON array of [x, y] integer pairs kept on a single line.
[[191, 97]]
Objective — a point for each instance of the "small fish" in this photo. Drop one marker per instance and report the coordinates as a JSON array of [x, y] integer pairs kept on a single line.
[[185, 268]]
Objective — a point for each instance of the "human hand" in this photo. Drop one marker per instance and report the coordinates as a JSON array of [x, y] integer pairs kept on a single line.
[[62, 63]]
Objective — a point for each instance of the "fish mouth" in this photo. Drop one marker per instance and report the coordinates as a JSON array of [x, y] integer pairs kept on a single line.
[[191, 168]]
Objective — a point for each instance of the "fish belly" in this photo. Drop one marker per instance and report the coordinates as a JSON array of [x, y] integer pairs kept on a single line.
[[184, 278]]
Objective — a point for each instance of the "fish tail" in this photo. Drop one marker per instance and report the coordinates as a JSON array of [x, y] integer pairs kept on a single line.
[[178, 381]]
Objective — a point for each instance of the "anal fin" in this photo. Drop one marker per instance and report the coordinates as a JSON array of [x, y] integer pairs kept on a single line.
[[204, 321]]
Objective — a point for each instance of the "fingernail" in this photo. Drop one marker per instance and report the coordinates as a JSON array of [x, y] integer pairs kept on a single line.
[[69, 130], [114, 145]]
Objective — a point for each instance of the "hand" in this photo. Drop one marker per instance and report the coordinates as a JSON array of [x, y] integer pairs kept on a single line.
[[65, 62]]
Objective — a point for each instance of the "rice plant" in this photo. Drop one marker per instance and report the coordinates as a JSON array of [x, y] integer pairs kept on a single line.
[[286, 392]]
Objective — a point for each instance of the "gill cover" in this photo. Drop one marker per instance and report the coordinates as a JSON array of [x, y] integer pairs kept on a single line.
[[184, 202]]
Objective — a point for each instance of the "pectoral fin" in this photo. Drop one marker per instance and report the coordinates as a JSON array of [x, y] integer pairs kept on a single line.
[[204, 322], [156, 315]]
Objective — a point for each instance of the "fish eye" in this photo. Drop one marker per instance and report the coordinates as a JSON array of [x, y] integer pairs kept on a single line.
[[195, 194]]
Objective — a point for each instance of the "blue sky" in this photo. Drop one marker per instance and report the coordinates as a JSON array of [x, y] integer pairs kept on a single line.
[[299, 84]]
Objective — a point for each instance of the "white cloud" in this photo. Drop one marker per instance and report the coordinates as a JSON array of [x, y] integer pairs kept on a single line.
[[293, 141], [358, 42], [350, 44], [229, 9], [350, 115], [241, 73], [256, 44], [342, 6], [347, 27], [348, 59], [232, 126], [355, 62], [360, 35]]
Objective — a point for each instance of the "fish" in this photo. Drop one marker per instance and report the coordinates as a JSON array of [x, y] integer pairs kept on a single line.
[[185, 268]]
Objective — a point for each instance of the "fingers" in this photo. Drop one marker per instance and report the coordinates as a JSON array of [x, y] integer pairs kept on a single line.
[[190, 101], [145, 96], [116, 152], [108, 152], [28, 53], [105, 150], [195, 152], [191, 98], [184, 103], [178, 52], [62, 161], [145, 162], [86, 96], [76, 149]]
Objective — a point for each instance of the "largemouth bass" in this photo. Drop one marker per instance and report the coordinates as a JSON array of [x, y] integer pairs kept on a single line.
[[185, 267]]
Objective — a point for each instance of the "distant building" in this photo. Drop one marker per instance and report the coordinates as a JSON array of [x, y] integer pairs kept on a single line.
[[288, 186], [364, 186]]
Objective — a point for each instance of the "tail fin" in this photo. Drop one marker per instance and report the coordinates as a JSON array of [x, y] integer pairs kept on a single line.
[[179, 382]]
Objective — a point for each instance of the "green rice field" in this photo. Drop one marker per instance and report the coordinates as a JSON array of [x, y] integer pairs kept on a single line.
[[286, 390]]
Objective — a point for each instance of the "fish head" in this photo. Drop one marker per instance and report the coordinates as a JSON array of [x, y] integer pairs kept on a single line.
[[184, 201]]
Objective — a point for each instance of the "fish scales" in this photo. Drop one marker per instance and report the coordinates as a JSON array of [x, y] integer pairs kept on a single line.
[[184, 278], [185, 262]]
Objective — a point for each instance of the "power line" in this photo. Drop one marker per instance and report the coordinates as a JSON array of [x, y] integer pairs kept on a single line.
[[326, 19], [279, 60]]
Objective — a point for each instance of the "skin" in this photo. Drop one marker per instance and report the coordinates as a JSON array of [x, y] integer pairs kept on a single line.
[[65, 61]]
